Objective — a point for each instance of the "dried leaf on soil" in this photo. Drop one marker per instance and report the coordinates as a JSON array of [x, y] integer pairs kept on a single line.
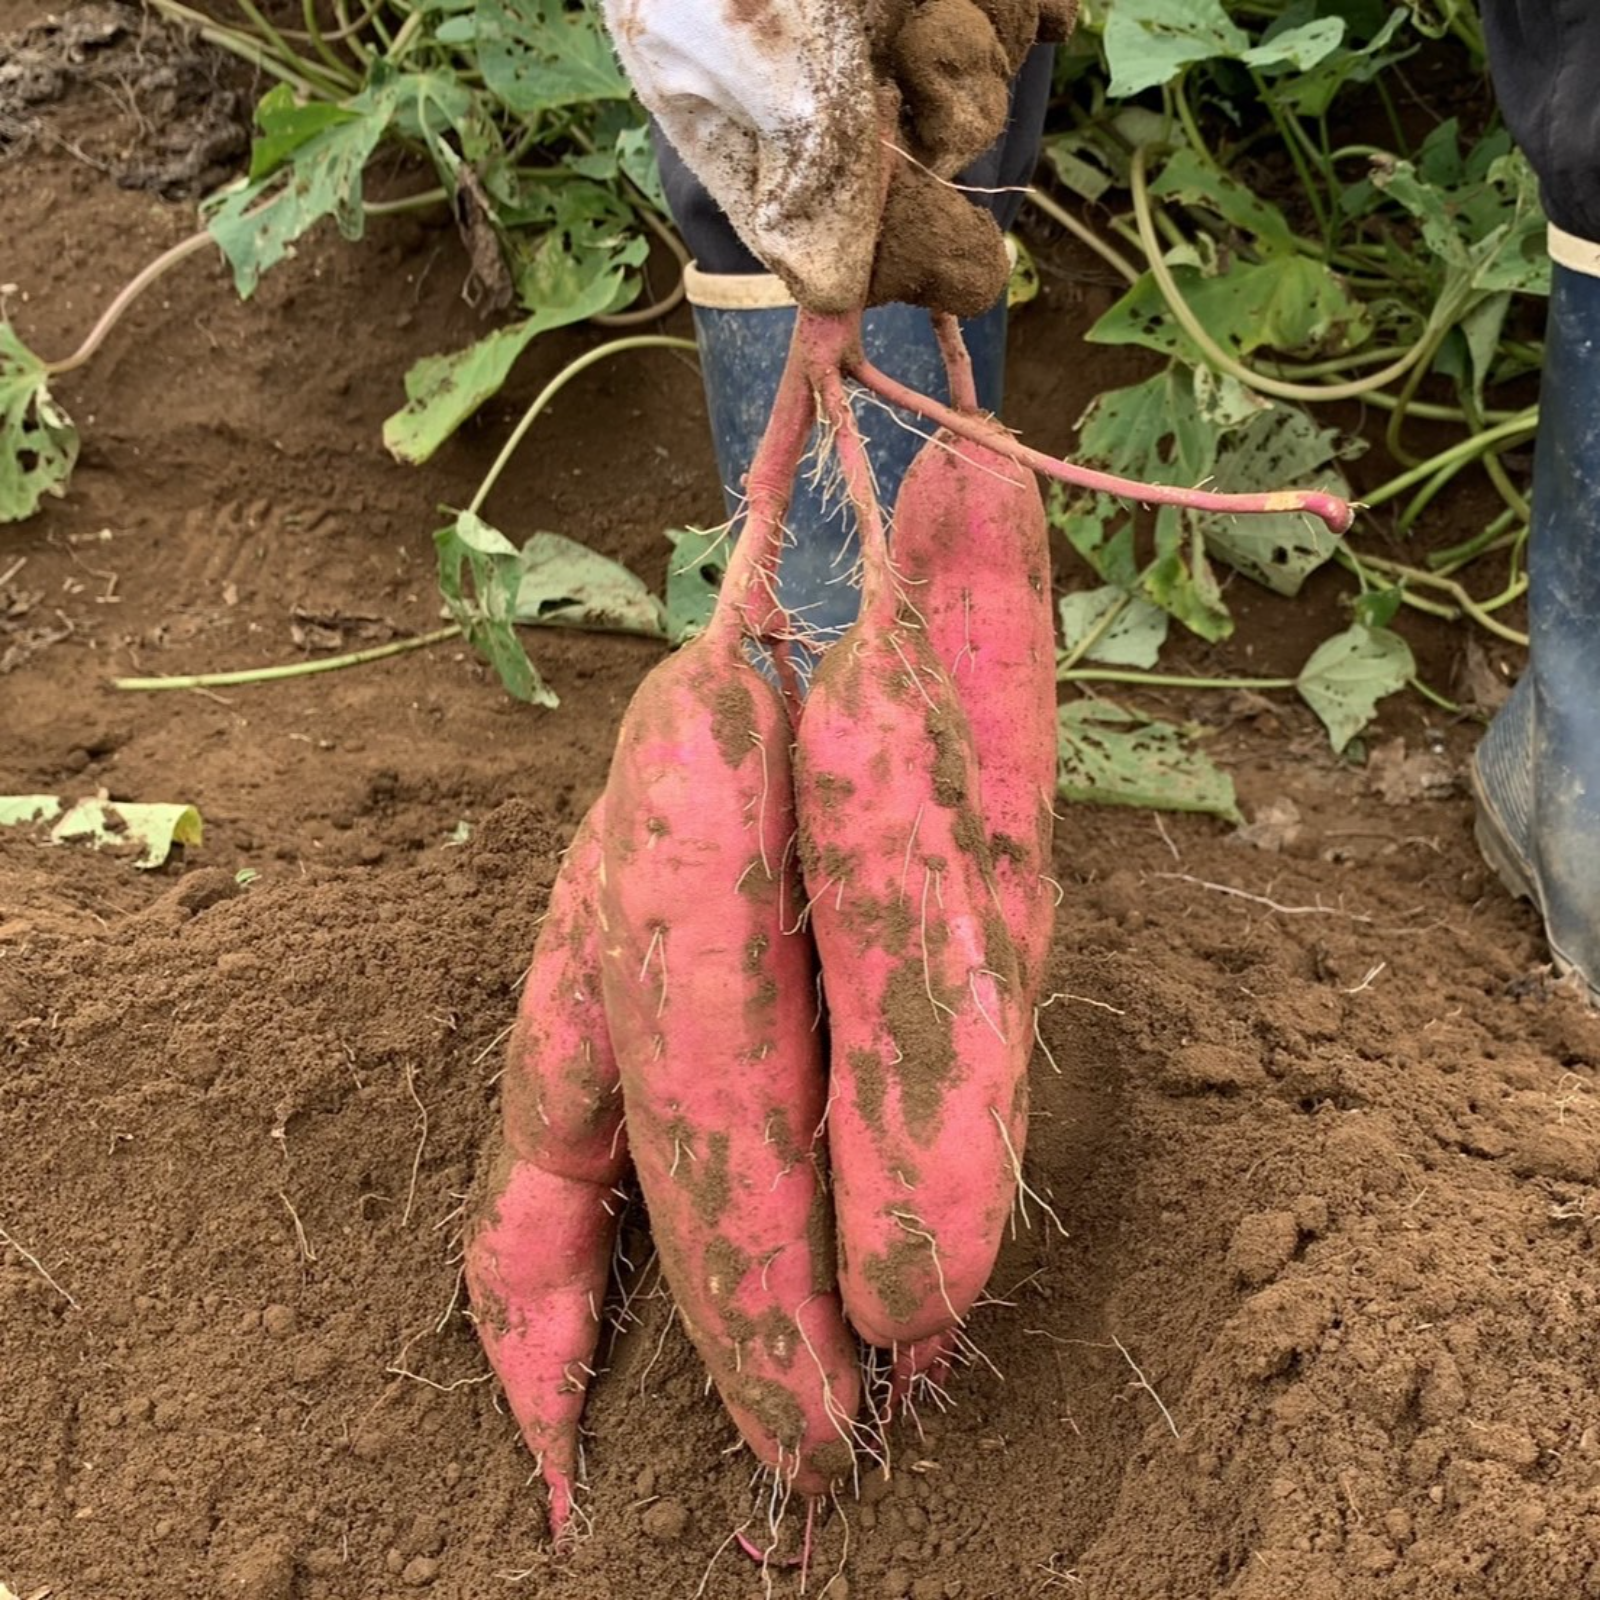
[[1109, 756], [155, 828]]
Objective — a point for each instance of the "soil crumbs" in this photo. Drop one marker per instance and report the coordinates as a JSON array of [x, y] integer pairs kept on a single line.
[[1322, 1321]]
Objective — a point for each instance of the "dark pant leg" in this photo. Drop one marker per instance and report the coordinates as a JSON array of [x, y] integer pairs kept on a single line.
[[1545, 59], [1007, 164]]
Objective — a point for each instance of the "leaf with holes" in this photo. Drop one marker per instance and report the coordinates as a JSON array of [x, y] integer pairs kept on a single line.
[[1279, 549], [308, 171], [1151, 431], [485, 607], [537, 55], [38, 443], [1112, 757], [1127, 631], [1349, 674], [1287, 302], [565, 584], [1149, 42], [491, 587], [694, 576]]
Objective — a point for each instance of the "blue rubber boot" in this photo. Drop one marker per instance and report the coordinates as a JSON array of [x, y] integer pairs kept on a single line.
[[1536, 773], [742, 324]]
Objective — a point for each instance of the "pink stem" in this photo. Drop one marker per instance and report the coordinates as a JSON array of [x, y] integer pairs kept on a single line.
[[877, 583], [768, 486], [1336, 513], [957, 363]]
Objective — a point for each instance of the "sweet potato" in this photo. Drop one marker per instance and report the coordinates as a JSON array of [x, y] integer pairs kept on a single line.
[[971, 546], [929, 1034], [539, 1244], [710, 988]]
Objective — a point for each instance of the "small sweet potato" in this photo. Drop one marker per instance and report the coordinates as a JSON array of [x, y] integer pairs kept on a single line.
[[539, 1243]]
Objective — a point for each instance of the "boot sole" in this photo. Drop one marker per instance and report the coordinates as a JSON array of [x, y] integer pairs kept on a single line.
[[1494, 843], [1505, 861]]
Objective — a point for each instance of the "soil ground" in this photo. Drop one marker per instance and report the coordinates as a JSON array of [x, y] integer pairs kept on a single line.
[[1321, 1131]]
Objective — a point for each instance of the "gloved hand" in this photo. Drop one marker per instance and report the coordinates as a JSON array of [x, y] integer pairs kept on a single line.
[[789, 110]]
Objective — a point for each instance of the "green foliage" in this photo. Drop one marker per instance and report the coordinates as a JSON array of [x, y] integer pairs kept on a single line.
[[490, 588], [38, 443], [535, 141], [1373, 268], [694, 575], [1110, 756]]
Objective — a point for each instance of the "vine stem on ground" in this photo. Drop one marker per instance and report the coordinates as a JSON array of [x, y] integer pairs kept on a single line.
[[297, 669], [640, 341]]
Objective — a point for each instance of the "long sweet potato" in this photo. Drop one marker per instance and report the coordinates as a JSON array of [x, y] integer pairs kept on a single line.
[[971, 545], [539, 1244], [710, 987], [930, 1036]]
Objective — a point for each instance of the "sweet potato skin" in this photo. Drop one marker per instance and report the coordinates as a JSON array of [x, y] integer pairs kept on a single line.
[[711, 990], [971, 545], [929, 1036], [539, 1242]]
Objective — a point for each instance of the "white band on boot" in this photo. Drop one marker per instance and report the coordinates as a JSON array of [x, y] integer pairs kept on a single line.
[[1577, 255], [735, 291], [765, 291]]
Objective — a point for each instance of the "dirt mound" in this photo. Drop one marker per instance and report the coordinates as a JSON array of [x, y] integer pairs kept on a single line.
[[1322, 1320]]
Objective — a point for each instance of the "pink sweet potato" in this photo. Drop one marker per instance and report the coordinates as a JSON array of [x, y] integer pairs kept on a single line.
[[710, 988], [539, 1245], [930, 1035], [971, 547]]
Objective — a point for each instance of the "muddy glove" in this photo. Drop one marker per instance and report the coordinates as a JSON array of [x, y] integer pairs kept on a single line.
[[771, 105], [786, 110]]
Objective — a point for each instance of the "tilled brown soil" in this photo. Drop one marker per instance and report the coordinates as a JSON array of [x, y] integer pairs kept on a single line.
[[1319, 1317]]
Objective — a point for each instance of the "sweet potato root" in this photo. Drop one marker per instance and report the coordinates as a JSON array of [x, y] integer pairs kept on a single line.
[[930, 1038], [710, 987], [539, 1244]]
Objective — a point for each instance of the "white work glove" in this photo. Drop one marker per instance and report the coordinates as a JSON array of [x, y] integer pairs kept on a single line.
[[770, 104], [787, 110]]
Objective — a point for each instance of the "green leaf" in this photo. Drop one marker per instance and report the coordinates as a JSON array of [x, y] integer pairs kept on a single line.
[[38, 443], [1189, 177], [443, 391], [1149, 42], [1302, 48], [1152, 431], [1376, 608], [551, 582], [1112, 757], [487, 611], [536, 55], [1349, 674], [286, 126], [1287, 302], [1133, 637], [1277, 448], [1311, 93], [694, 576], [257, 221], [1081, 164], [1180, 579], [565, 584], [101, 821]]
